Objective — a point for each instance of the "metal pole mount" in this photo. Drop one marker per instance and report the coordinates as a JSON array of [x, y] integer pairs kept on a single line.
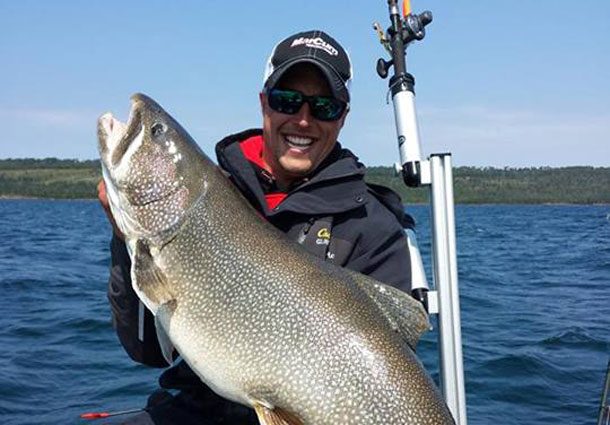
[[436, 174]]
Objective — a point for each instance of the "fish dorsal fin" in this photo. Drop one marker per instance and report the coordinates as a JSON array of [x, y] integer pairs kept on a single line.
[[275, 416], [406, 315], [149, 278]]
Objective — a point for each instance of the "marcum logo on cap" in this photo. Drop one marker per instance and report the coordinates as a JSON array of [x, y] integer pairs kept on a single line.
[[316, 43]]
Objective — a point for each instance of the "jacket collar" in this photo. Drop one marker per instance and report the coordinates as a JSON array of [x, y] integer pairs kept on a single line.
[[336, 186]]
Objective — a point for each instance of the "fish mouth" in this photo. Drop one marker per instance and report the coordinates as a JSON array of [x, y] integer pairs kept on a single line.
[[118, 140], [110, 133]]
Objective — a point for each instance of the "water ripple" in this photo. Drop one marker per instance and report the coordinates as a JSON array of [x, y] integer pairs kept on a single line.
[[534, 294]]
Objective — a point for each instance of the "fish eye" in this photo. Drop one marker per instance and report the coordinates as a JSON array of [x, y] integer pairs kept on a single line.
[[157, 129]]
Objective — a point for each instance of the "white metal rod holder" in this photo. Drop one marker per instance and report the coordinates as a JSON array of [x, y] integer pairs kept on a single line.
[[407, 129], [446, 283]]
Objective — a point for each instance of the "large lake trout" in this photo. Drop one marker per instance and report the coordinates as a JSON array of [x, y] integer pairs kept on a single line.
[[257, 318]]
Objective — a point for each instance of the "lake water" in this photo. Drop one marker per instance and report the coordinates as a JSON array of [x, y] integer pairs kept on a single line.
[[535, 297]]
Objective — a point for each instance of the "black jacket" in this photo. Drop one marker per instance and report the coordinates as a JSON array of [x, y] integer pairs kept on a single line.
[[366, 235], [333, 214]]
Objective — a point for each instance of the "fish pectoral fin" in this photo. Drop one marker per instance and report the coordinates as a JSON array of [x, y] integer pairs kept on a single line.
[[275, 416], [149, 278], [405, 314], [163, 315]]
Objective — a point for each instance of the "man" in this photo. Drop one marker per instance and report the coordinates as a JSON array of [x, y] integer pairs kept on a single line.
[[295, 173]]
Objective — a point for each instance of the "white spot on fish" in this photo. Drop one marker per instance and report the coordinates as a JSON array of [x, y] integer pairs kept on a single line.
[[172, 147]]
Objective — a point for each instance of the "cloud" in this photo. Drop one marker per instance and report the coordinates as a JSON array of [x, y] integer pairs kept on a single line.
[[488, 136], [488, 122], [43, 132], [46, 117], [494, 136]]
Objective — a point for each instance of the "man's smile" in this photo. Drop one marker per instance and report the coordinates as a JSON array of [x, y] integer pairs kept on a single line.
[[298, 142]]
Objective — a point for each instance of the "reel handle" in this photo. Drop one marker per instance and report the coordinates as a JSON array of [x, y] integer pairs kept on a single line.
[[383, 66]]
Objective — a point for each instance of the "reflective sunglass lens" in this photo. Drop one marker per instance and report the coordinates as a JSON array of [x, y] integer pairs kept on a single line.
[[323, 108], [326, 109], [286, 102]]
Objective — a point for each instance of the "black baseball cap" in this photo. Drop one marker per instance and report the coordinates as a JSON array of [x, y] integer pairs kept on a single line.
[[314, 47]]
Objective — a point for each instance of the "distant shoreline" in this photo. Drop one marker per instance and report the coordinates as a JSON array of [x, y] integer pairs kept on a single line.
[[61, 179]]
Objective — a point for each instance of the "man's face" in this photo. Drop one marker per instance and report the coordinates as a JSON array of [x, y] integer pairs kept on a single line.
[[296, 144]]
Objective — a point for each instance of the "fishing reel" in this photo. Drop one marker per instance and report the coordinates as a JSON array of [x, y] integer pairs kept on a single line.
[[403, 32]]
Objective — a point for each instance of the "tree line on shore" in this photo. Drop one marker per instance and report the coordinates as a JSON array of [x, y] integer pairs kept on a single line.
[[72, 179]]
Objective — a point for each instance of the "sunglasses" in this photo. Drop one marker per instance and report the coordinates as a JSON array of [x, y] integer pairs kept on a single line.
[[323, 108]]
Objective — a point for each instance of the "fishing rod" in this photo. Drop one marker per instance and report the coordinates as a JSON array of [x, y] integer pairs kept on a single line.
[[436, 174], [103, 415], [604, 408]]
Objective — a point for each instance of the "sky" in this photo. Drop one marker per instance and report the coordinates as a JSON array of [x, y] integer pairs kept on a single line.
[[498, 83]]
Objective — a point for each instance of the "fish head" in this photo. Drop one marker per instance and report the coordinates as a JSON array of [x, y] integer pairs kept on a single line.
[[152, 169]]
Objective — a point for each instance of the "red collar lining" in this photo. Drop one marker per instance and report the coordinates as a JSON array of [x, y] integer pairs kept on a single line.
[[252, 148]]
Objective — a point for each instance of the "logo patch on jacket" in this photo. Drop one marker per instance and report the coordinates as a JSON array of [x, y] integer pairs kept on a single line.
[[323, 236]]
